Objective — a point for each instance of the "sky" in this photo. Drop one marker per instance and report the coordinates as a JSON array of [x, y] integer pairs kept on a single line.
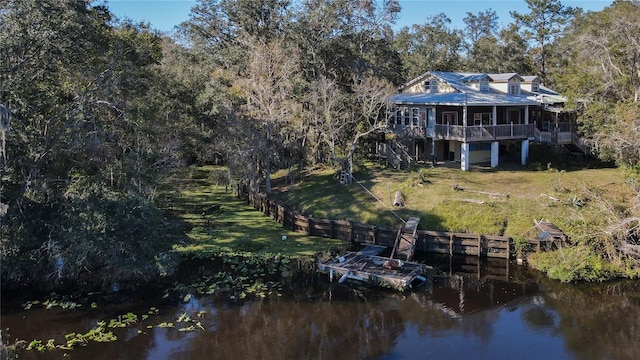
[[164, 15]]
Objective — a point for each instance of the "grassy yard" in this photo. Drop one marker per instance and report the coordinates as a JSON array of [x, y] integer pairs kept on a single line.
[[501, 201], [219, 221]]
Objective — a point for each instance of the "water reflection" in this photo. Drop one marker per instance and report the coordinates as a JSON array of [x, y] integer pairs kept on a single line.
[[477, 316]]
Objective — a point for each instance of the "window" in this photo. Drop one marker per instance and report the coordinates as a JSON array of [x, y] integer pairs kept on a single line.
[[514, 116], [484, 85], [423, 118], [398, 116], [392, 116], [482, 119], [535, 116], [430, 117], [535, 86], [433, 85], [514, 89], [407, 117], [480, 147], [414, 117], [450, 118]]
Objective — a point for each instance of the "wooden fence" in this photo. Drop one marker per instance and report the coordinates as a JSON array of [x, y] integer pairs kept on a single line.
[[350, 231]]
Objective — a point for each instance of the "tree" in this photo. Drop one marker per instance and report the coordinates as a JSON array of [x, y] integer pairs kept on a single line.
[[601, 56], [346, 118], [253, 71], [480, 40], [603, 77], [80, 146], [326, 119], [544, 22], [191, 103], [338, 38], [218, 27], [432, 46], [512, 53], [316, 23], [371, 96], [268, 87]]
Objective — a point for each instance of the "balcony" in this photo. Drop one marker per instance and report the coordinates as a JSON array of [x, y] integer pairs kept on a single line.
[[483, 132]]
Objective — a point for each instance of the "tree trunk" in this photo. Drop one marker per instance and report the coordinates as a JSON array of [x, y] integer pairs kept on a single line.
[[267, 177], [351, 153]]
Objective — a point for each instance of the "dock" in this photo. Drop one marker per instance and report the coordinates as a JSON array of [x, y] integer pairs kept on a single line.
[[371, 269]]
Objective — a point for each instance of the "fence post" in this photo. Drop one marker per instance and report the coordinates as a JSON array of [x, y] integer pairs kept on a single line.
[[292, 218], [333, 228], [351, 232], [479, 245], [451, 236]]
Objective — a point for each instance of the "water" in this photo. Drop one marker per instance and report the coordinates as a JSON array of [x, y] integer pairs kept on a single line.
[[480, 315]]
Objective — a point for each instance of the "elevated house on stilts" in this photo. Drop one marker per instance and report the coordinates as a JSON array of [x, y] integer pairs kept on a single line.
[[475, 118]]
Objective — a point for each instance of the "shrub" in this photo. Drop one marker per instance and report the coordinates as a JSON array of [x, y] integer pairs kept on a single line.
[[96, 234], [574, 264]]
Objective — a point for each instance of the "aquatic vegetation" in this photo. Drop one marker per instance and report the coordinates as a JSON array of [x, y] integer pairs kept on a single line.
[[183, 318], [239, 276], [186, 320], [124, 320], [55, 301], [99, 333], [236, 276]]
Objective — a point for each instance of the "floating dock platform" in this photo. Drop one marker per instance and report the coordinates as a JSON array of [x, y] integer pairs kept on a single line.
[[365, 267]]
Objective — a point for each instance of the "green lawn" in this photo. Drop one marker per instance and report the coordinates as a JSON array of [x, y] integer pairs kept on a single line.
[[487, 201], [482, 201], [234, 226]]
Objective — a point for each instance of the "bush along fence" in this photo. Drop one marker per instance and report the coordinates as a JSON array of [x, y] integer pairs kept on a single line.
[[358, 233]]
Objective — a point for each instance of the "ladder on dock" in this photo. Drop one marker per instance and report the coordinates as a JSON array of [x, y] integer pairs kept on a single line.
[[405, 244]]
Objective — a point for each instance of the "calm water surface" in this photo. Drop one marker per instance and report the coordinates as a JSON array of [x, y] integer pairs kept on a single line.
[[476, 316]]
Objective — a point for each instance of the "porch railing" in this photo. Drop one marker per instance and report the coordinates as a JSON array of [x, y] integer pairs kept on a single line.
[[484, 132]]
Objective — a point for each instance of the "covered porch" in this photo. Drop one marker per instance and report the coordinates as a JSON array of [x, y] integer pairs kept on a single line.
[[481, 153]]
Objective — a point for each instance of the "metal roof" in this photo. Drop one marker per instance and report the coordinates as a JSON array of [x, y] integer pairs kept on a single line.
[[546, 96], [530, 78], [505, 77], [473, 98], [465, 94]]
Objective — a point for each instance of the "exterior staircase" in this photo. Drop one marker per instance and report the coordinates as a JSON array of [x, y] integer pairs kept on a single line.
[[395, 154], [570, 140]]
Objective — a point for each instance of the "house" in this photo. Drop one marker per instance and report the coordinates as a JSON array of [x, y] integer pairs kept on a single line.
[[474, 118]]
